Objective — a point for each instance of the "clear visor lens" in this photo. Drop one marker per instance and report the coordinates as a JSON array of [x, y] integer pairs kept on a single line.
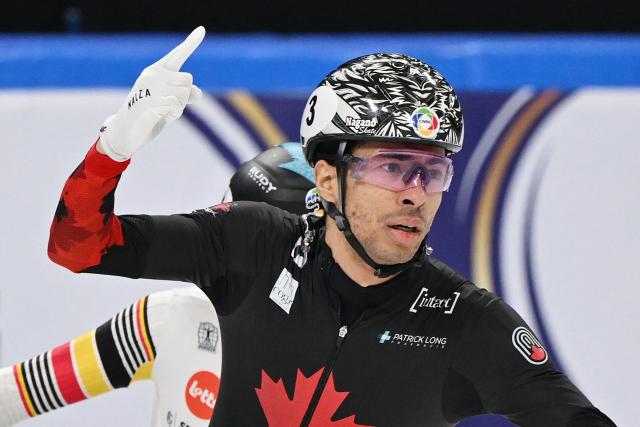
[[398, 170]]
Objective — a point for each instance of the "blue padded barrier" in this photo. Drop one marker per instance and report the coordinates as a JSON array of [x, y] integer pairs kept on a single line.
[[279, 63]]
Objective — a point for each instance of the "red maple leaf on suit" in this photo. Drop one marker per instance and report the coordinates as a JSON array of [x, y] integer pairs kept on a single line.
[[537, 353], [281, 411]]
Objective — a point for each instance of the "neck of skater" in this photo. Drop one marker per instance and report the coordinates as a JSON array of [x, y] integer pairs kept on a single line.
[[348, 260]]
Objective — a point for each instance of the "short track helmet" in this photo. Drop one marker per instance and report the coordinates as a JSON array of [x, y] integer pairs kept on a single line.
[[279, 176], [382, 97]]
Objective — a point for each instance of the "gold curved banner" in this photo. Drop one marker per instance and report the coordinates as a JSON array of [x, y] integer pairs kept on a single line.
[[257, 116], [485, 214]]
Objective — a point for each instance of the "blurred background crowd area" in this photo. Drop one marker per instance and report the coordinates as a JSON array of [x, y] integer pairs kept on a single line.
[[327, 16]]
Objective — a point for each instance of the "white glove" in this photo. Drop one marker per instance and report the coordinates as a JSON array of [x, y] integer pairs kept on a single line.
[[159, 96]]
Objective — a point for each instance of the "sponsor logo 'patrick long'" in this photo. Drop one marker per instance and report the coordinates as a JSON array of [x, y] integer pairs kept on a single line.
[[416, 341]]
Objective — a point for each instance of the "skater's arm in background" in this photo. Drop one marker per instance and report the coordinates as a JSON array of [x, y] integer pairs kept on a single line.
[[111, 356]]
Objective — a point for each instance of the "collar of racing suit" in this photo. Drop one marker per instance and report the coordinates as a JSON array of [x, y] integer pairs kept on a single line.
[[355, 301]]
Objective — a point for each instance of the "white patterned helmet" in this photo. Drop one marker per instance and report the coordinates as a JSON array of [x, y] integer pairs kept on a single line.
[[382, 97]]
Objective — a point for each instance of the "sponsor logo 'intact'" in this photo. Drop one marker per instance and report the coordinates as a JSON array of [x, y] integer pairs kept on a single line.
[[425, 301]]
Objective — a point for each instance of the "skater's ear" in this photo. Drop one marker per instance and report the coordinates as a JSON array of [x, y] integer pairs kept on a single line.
[[326, 181]]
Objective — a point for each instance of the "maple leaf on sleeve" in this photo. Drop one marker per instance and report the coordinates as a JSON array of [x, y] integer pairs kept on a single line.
[[537, 353]]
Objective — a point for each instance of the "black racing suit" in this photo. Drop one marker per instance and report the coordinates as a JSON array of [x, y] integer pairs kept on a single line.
[[435, 350]]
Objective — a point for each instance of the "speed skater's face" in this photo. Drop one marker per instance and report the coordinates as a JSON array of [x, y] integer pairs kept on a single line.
[[390, 225]]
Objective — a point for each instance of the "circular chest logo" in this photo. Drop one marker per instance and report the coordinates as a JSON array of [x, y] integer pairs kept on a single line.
[[425, 122], [201, 394]]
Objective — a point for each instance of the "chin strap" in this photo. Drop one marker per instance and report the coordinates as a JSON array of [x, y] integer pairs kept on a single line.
[[343, 225]]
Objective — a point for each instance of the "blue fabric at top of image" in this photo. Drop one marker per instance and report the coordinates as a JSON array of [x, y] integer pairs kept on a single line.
[[286, 63]]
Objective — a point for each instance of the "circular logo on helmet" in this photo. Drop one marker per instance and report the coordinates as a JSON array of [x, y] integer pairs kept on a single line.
[[201, 394], [425, 122]]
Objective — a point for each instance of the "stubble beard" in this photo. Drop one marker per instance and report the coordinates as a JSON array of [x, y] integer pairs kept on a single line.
[[385, 255], [370, 234]]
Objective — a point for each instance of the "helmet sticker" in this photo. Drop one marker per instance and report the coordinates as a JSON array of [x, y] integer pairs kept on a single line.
[[312, 200], [318, 113], [425, 122], [363, 126]]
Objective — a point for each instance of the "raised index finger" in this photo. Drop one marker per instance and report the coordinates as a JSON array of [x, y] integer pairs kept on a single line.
[[173, 60]]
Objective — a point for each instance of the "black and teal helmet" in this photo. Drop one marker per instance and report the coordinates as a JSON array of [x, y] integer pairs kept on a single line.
[[279, 176]]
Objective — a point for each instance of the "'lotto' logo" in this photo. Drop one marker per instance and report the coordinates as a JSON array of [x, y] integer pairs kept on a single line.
[[201, 394]]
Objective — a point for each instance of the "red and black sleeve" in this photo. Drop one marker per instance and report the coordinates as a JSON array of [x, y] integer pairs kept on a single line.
[[84, 226], [205, 247], [87, 236]]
